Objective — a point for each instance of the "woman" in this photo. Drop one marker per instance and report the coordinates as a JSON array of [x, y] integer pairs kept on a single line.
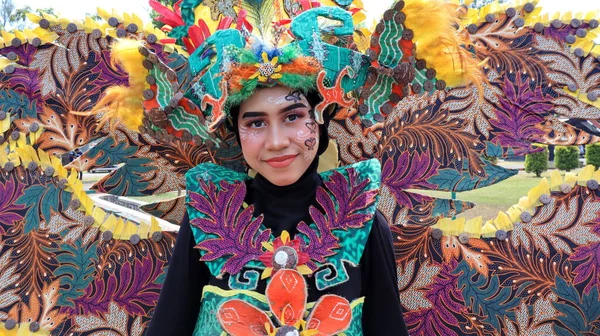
[[282, 143]]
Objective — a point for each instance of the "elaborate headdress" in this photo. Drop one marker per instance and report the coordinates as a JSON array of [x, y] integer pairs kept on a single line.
[[304, 46]]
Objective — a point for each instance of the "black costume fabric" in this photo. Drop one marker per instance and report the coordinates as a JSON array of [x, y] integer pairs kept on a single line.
[[283, 208]]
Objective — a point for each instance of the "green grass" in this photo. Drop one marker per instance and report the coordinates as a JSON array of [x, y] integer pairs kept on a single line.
[[498, 197]]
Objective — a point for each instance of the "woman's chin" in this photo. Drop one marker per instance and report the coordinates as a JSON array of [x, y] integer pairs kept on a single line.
[[281, 178]]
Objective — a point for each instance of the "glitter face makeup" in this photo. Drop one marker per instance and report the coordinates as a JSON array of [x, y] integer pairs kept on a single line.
[[278, 135]]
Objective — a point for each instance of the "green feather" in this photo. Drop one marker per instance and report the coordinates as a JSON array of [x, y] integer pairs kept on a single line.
[[260, 15]]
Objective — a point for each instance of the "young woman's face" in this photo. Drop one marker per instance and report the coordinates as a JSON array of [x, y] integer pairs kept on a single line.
[[278, 135]]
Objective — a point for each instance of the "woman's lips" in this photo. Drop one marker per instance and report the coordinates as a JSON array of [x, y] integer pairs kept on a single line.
[[281, 161]]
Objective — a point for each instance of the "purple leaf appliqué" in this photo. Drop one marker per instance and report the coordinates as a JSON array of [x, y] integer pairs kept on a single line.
[[351, 198], [236, 231], [409, 172]]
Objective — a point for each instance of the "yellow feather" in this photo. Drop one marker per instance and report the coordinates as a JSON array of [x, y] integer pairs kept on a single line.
[[124, 103], [440, 44]]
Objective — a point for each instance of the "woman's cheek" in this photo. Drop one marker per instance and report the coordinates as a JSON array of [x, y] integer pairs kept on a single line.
[[306, 137]]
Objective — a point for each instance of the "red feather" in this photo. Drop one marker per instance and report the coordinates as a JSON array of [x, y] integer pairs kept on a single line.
[[167, 16], [225, 23]]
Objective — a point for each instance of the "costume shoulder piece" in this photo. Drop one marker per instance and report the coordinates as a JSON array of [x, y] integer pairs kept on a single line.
[[230, 238]]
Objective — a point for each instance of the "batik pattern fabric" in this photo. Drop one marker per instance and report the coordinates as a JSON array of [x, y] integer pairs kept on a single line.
[[231, 240], [539, 84], [63, 273]]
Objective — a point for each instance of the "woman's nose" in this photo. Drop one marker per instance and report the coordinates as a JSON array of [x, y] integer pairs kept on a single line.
[[277, 139]]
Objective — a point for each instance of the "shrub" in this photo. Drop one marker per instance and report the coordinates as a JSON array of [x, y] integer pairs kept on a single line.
[[592, 155], [537, 163], [566, 157]]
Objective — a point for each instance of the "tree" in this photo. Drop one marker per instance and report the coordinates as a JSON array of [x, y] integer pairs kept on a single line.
[[6, 11], [592, 155], [17, 18], [566, 157], [537, 163]]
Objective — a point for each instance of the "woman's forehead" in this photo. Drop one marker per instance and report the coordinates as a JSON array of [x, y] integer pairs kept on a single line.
[[275, 98]]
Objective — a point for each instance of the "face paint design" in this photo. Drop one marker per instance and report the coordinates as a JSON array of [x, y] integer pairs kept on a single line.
[[294, 96], [247, 133]]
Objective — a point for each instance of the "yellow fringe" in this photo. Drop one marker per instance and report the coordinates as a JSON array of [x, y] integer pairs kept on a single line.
[[23, 154], [437, 41], [505, 220]]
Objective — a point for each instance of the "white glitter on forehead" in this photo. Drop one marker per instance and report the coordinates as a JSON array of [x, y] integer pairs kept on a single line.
[[283, 99]]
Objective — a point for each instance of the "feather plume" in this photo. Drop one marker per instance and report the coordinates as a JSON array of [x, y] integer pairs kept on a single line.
[[124, 103], [438, 41], [260, 14]]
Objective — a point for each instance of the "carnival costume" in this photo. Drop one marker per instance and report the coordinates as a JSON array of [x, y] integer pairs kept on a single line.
[[419, 102]]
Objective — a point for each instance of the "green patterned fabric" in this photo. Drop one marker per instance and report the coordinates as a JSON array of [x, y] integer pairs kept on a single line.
[[354, 239]]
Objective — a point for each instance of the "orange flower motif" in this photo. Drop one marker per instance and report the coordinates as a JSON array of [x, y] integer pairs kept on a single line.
[[286, 296], [284, 253], [267, 69]]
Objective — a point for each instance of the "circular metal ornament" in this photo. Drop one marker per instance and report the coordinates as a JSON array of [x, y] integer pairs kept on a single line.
[[417, 88], [437, 234], [151, 39], [592, 184], [88, 221], [556, 24], [132, 28], [96, 33], [440, 84], [135, 239], [72, 28], [34, 326], [539, 27], [10, 324], [36, 42], [9, 167], [545, 199], [107, 236], [463, 238], [472, 28], [501, 235], [526, 217], [32, 166], [113, 22], [34, 127], [285, 257], [44, 23], [157, 236], [75, 204], [565, 188], [519, 22], [511, 12]]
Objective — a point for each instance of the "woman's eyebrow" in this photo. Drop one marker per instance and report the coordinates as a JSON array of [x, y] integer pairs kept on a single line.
[[291, 107], [253, 114]]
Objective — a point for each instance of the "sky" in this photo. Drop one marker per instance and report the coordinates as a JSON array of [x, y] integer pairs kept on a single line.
[[77, 9]]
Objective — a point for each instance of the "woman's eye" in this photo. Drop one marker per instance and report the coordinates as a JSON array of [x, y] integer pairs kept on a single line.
[[292, 117], [257, 123]]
